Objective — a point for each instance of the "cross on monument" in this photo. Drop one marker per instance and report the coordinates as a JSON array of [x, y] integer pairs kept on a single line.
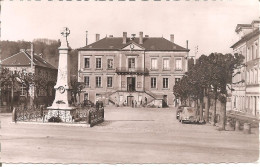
[[65, 32]]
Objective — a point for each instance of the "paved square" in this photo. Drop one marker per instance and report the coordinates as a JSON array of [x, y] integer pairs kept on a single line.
[[128, 135]]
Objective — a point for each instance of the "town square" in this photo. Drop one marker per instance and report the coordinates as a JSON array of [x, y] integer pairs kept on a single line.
[[99, 83]]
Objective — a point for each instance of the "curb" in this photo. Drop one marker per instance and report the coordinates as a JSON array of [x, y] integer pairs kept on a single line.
[[55, 124]]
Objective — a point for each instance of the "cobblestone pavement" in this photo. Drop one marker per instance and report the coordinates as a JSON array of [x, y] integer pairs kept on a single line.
[[128, 135]]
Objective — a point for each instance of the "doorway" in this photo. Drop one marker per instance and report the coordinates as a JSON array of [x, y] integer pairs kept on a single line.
[[130, 101], [130, 84], [165, 100]]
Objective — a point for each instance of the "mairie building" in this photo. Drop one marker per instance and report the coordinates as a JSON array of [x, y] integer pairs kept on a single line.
[[127, 71]]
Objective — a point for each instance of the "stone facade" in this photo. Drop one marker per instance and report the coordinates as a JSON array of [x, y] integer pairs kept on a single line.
[[245, 98], [135, 72]]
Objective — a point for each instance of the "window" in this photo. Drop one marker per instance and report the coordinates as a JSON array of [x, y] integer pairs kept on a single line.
[[256, 50], [165, 83], [121, 98], [98, 97], [248, 53], [251, 76], [98, 63], [87, 63], [258, 76], [248, 77], [110, 63], [255, 76], [178, 64], [98, 82], [153, 63], [85, 96], [131, 63], [22, 90], [140, 98], [177, 80], [86, 81], [252, 52], [153, 82], [123, 84], [109, 82], [166, 64]]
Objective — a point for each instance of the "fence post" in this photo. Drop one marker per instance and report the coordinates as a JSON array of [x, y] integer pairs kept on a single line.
[[23, 114], [89, 118], [14, 115]]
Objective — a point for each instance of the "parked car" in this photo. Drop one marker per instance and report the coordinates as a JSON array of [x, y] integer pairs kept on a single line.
[[188, 114], [178, 111]]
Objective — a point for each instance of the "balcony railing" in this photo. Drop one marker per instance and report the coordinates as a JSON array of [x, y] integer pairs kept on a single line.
[[126, 70]]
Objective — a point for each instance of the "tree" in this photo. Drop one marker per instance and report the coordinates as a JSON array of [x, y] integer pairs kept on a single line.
[[181, 89], [211, 73]]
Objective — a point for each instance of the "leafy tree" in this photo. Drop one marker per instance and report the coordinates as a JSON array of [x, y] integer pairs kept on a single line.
[[181, 89], [225, 66], [211, 73]]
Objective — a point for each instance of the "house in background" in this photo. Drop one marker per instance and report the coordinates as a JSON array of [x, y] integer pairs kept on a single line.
[[245, 98], [130, 70], [24, 61]]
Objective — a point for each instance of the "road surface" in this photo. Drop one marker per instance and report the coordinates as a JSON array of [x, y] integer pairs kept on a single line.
[[143, 135]]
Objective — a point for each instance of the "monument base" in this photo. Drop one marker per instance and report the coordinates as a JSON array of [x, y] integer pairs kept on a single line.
[[60, 114]]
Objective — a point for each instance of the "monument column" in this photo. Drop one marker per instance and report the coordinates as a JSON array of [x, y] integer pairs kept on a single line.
[[60, 106]]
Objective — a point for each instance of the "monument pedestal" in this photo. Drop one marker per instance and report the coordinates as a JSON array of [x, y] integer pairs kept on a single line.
[[65, 114]]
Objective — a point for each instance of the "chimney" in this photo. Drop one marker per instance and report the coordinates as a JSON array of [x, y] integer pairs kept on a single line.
[[140, 37], [32, 56], [172, 38], [86, 38], [187, 44], [97, 37], [124, 37]]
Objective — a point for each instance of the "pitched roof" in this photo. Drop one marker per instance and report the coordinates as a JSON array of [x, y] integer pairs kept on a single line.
[[23, 58], [239, 26], [149, 44], [246, 38]]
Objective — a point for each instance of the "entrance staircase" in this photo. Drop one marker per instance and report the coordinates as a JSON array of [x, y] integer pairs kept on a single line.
[[152, 98]]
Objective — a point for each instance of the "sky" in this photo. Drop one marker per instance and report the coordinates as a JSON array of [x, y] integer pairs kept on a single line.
[[210, 25]]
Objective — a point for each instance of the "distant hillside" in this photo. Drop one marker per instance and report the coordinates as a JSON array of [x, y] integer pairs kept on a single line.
[[47, 47]]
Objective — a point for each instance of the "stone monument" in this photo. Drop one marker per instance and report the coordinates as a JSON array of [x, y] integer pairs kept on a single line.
[[61, 109]]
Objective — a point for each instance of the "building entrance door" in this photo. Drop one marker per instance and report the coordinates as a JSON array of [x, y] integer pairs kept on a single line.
[[130, 101], [165, 100], [130, 84]]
